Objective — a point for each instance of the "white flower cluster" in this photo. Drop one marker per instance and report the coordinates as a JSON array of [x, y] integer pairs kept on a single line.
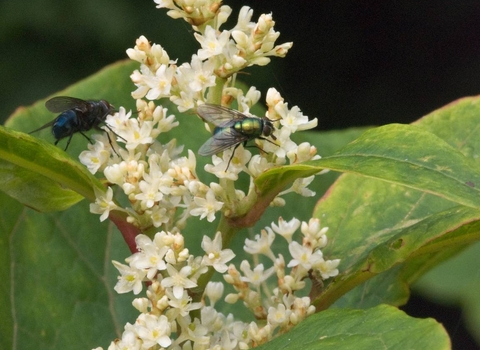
[[155, 179], [172, 273], [222, 54]]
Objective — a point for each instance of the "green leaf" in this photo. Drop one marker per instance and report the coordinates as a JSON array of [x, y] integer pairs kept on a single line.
[[394, 232], [382, 327], [411, 156], [59, 279], [40, 175]]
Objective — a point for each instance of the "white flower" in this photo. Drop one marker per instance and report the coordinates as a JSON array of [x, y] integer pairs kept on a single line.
[[185, 102], [103, 203], [273, 98], [278, 316], [178, 280], [96, 157], [202, 75], [159, 216], [211, 44], [286, 229], [136, 134], [214, 291], [258, 165], [206, 207], [314, 233], [312, 228], [141, 304], [115, 173], [303, 256], [215, 256], [300, 186], [161, 83], [118, 121], [306, 151], [149, 256], [164, 123], [261, 244], [153, 330], [150, 193], [229, 167], [244, 20], [258, 275], [130, 279], [180, 306], [293, 119], [194, 331], [327, 268], [129, 341]]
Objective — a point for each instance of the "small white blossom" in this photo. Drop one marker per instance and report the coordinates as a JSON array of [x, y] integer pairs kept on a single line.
[[206, 207], [179, 280], [215, 256], [96, 157], [103, 204], [261, 244], [327, 268], [279, 315], [141, 304], [214, 291], [303, 256], [212, 45], [300, 186], [286, 229], [180, 306], [149, 256], [129, 341], [153, 330], [131, 279], [258, 275], [229, 167]]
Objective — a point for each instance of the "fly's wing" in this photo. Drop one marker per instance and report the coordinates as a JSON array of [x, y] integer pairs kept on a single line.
[[43, 126], [218, 115], [223, 139], [62, 103]]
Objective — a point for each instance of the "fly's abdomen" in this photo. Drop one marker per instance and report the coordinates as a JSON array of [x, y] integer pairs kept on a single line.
[[65, 124], [250, 126]]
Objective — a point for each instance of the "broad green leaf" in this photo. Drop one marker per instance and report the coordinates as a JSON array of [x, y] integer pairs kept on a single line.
[[59, 279], [382, 327], [383, 225], [40, 175]]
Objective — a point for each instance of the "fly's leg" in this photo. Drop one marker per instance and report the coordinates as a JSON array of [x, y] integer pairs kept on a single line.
[[231, 157]]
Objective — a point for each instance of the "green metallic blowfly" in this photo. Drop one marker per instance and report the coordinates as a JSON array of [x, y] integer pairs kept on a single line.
[[231, 129]]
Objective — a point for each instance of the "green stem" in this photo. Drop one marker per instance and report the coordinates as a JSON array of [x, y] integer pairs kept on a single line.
[[215, 92]]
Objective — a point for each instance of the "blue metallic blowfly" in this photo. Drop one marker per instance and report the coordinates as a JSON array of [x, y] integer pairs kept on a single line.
[[76, 116]]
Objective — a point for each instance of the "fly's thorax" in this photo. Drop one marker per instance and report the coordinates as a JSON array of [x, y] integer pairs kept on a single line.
[[99, 111], [268, 127], [249, 126]]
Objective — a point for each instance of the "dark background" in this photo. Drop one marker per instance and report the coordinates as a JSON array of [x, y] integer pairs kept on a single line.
[[353, 63]]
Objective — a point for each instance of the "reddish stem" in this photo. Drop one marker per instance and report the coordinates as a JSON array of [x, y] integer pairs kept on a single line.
[[129, 231]]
